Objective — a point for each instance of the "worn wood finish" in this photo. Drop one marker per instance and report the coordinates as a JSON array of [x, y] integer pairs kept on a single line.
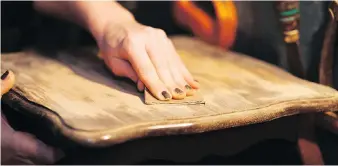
[[90, 106]]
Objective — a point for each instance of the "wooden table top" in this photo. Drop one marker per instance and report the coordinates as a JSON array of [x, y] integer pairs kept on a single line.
[[88, 105]]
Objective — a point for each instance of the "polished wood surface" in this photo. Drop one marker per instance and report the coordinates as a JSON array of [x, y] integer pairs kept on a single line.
[[88, 105]]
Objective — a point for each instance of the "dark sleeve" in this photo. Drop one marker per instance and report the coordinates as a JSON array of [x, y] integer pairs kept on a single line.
[[314, 16]]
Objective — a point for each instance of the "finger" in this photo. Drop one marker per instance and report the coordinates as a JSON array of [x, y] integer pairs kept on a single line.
[[188, 77], [140, 86], [176, 73], [159, 55], [33, 149], [179, 79], [7, 81], [121, 68], [141, 63], [182, 68]]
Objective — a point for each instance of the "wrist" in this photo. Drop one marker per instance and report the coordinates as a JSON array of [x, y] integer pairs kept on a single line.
[[116, 16]]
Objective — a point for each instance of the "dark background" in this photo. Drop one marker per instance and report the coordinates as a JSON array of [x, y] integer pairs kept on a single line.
[[22, 27]]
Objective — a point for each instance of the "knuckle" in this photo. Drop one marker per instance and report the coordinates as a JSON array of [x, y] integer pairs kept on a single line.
[[131, 39], [161, 33], [130, 43], [170, 43], [148, 29], [136, 35], [127, 47]]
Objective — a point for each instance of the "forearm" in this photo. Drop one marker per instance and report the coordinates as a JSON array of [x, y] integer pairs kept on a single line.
[[92, 15]]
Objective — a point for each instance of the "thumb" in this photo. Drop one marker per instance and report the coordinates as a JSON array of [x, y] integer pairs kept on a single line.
[[122, 68], [7, 81]]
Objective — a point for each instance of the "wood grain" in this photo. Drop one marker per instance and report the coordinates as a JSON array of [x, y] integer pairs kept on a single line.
[[87, 104]]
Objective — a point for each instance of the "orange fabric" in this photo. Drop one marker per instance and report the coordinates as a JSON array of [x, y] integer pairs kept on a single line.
[[221, 31]]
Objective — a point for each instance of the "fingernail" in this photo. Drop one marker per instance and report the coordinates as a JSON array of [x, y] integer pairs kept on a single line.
[[187, 87], [4, 75], [179, 91], [166, 95]]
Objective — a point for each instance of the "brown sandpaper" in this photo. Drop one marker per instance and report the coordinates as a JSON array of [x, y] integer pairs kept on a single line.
[[195, 99]]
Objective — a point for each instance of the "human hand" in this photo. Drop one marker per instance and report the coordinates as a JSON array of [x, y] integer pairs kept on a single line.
[[19, 147], [146, 56]]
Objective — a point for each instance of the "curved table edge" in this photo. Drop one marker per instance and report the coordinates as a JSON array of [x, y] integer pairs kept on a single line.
[[171, 127]]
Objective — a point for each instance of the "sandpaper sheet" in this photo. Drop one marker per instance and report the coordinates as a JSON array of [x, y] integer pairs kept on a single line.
[[197, 98]]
